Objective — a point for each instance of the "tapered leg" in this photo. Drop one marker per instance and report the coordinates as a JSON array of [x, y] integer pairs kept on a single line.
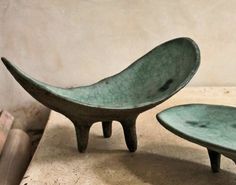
[[129, 128], [82, 134], [107, 128], [215, 160]]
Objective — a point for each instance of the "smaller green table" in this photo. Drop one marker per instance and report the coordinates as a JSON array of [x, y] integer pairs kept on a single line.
[[211, 126]]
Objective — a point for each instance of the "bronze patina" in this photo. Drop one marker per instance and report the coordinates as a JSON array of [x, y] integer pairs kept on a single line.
[[147, 82], [211, 126]]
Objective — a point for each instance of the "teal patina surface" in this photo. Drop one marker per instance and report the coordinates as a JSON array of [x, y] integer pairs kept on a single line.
[[146, 83], [212, 126]]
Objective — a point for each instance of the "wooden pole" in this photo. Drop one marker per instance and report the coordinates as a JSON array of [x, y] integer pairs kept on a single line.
[[15, 157], [6, 122]]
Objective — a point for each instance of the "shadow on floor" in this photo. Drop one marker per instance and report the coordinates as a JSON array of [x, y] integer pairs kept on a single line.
[[118, 167], [59, 144], [147, 168]]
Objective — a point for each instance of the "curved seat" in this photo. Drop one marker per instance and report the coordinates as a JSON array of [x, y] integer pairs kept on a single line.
[[211, 126], [144, 84]]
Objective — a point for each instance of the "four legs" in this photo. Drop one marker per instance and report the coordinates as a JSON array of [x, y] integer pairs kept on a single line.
[[215, 160], [107, 128], [82, 133], [129, 127]]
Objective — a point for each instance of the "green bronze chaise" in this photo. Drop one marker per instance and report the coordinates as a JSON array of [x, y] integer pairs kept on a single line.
[[211, 126], [147, 82]]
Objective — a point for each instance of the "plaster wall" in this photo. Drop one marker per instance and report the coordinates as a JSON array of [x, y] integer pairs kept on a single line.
[[71, 43]]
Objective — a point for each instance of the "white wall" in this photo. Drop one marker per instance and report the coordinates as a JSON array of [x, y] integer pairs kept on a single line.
[[70, 43]]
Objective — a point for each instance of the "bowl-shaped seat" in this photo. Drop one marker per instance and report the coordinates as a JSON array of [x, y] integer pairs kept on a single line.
[[147, 82], [211, 126]]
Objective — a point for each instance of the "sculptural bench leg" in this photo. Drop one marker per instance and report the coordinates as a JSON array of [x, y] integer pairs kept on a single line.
[[82, 133], [107, 128], [214, 160], [129, 127]]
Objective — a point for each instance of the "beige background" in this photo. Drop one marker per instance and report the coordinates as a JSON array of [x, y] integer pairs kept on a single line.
[[70, 43]]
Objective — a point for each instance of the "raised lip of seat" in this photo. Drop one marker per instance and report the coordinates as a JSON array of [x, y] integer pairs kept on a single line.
[[223, 149], [13, 69]]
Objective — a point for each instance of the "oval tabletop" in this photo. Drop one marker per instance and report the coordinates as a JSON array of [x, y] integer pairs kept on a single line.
[[150, 80], [212, 126]]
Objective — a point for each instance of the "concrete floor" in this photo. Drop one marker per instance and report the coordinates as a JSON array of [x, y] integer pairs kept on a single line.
[[161, 159]]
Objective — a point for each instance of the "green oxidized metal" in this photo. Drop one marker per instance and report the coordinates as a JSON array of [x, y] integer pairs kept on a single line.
[[146, 83], [212, 126]]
